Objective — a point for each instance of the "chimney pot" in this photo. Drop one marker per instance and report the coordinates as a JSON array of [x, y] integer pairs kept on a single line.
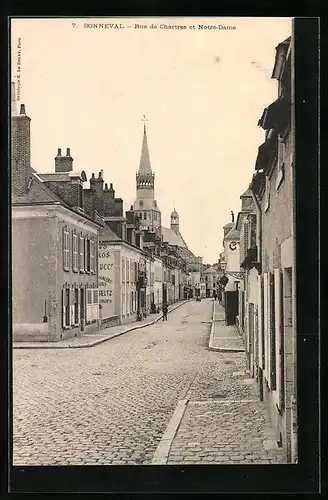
[[59, 152], [106, 186], [111, 185], [68, 152], [93, 176], [22, 109]]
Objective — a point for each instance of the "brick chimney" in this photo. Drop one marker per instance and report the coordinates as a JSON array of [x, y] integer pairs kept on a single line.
[[20, 152], [63, 163], [97, 183]]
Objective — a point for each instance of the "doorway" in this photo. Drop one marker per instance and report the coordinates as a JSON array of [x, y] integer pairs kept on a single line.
[[82, 309]]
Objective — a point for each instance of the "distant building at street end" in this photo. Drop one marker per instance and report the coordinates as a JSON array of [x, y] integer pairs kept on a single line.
[[211, 276], [230, 255]]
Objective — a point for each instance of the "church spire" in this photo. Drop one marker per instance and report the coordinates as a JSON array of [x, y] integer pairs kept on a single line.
[[144, 167]]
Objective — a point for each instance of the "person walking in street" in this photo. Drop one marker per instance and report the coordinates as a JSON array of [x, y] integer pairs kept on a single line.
[[165, 308], [214, 295]]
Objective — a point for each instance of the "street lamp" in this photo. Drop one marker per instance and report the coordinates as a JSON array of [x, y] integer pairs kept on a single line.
[[222, 265]]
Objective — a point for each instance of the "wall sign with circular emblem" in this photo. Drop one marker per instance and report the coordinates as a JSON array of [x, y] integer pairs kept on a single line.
[[233, 245]]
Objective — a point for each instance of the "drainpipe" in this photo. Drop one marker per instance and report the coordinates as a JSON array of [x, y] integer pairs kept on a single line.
[[259, 255]]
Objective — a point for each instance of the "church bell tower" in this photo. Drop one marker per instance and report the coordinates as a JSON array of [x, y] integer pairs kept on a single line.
[[145, 206]]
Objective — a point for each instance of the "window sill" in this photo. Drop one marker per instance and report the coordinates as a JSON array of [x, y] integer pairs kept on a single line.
[[82, 271], [75, 270], [66, 269]]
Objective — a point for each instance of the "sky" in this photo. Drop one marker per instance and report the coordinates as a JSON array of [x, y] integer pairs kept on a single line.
[[202, 91]]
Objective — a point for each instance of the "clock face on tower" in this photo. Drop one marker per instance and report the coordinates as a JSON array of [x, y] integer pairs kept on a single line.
[[233, 245]]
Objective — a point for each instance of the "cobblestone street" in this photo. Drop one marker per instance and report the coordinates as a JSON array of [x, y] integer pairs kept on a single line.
[[111, 403]]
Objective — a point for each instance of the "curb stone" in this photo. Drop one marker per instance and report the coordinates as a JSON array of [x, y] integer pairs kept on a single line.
[[211, 340], [99, 341], [162, 452]]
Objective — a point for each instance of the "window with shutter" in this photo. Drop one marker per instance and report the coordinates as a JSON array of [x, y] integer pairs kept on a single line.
[[66, 308], [76, 306], [261, 343], [92, 255], [65, 249], [265, 322], [279, 329], [74, 252], [88, 255], [123, 269], [85, 254], [89, 305], [272, 333], [81, 254], [63, 308]]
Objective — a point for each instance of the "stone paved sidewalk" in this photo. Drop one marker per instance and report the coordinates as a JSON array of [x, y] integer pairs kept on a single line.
[[231, 425], [93, 339], [224, 338], [225, 432]]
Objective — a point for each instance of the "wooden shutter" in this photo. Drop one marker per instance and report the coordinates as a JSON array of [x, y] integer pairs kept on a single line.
[[63, 309], [92, 255], [279, 330], [81, 256], [272, 334], [63, 245], [265, 323]]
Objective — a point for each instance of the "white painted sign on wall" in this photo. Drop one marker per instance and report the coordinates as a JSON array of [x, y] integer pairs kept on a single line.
[[106, 281]]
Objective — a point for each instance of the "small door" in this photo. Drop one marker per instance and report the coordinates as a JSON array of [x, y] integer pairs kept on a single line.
[[231, 306]]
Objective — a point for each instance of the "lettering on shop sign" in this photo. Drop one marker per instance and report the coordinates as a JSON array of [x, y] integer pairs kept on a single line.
[[106, 282]]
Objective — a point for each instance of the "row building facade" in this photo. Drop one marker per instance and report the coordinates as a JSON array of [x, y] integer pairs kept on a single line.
[[267, 292]]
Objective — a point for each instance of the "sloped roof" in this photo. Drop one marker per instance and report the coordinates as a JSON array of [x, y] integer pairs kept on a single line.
[[147, 204], [107, 234], [234, 234], [37, 193], [248, 192], [144, 166], [210, 270], [40, 194], [55, 176], [63, 176], [173, 238]]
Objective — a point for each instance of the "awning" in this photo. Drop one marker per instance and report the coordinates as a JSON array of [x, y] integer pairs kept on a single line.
[[250, 259], [267, 152], [277, 115]]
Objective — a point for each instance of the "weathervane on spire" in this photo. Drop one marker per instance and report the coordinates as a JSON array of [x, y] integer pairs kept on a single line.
[[144, 120]]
